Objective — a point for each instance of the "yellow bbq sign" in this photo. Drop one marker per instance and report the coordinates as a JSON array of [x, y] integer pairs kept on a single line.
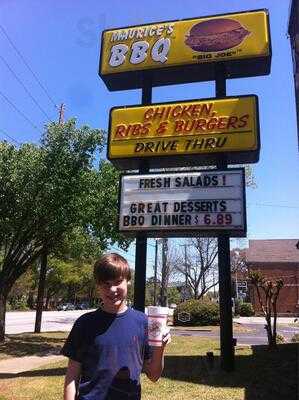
[[218, 38], [193, 132]]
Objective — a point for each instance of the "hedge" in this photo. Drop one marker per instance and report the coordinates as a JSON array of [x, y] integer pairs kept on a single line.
[[196, 313], [245, 310]]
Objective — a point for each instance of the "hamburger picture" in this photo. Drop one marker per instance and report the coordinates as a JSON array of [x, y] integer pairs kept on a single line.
[[216, 35]]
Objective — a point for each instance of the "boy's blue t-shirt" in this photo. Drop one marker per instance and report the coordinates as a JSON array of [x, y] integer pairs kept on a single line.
[[111, 349]]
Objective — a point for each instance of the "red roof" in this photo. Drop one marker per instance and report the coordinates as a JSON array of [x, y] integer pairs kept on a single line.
[[275, 250]]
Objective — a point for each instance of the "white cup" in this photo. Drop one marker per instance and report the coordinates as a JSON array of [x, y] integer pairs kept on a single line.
[[157, 321]]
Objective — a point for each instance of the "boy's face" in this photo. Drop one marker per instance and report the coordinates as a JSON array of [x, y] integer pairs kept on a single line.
[[114, 294]]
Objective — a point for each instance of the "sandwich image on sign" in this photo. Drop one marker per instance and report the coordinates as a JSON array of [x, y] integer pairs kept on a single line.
[[216, 35]]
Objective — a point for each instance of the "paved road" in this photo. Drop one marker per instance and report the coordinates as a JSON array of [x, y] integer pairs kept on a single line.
[[257, 335], [17, 322]]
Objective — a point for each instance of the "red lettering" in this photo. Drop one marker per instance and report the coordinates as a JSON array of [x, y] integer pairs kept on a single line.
[[222, 123], [212, 124], [232, 122], [200, 125], [136, 129], [179, 125], [145, 129], [120, 131], [189, 125], [148, 113], [244, 120], [162, 128], [195, 110], [159, 113], [186, 111], [206, 109], [176, 111]]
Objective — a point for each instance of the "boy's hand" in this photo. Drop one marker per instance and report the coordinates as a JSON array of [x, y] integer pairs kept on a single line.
[[154, 366], [166, 337]]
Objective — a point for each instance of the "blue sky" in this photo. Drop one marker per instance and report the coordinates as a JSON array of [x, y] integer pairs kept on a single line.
[[60, 40]]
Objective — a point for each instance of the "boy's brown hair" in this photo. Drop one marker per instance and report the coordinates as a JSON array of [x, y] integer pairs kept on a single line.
[[111, 266]]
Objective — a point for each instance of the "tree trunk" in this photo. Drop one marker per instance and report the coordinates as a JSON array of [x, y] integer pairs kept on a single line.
[[3, 298], [48, 298], [30, 300], [274, 322], [164, 278], [41, 290]]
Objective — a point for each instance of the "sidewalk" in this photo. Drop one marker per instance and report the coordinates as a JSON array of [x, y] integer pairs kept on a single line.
[[261, 320], [17, 365]]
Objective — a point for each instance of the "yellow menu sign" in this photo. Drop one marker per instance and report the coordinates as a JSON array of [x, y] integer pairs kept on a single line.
[[194, 41], [200, 127]]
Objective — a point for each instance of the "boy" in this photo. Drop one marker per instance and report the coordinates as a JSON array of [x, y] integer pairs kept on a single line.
[[108, 348]]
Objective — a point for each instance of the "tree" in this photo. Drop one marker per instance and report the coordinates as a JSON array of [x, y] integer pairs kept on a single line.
[[239, 271], [46, 191], [149, 292], [150, 288], [267, 293], [70, 280], [166, 270], [20, 294], [173, 295], [199, 267], [238, 261]]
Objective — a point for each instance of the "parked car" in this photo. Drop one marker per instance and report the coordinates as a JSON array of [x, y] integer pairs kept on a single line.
[[66, 307], [82, 306]]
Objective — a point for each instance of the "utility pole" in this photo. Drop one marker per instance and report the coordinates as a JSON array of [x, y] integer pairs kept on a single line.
[[61, 114], [214, 289], [185, 268], [163, 299], [185, 263], [41, 291], [44, 262]]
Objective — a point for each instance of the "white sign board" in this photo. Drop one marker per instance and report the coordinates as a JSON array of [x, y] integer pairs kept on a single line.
[[208, 203]]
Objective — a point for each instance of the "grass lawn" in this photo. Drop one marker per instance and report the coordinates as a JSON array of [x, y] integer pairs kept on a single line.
[[259, 374], [27, 344]]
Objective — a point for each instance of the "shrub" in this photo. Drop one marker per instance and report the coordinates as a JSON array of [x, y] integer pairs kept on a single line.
[[198, 313], [245, 309], [280, 339], [295, 338], [238, 302], [19, 304]]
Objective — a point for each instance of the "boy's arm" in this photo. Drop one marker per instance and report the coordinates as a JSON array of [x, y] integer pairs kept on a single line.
[[154, 366], [71, 380]]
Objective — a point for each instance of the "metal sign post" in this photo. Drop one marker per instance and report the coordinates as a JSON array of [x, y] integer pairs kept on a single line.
[[141, 238], [226, 323]]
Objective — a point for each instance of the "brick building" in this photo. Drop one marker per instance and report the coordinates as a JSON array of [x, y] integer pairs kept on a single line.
[[277, 258]]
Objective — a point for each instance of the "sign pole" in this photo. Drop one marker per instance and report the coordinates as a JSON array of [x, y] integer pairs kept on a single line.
[[226, 328], [141, 238]]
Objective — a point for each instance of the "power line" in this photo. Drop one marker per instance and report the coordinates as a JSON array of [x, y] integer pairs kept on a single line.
[[25, 88], [27, 65], [19, 111], [10, 137]]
